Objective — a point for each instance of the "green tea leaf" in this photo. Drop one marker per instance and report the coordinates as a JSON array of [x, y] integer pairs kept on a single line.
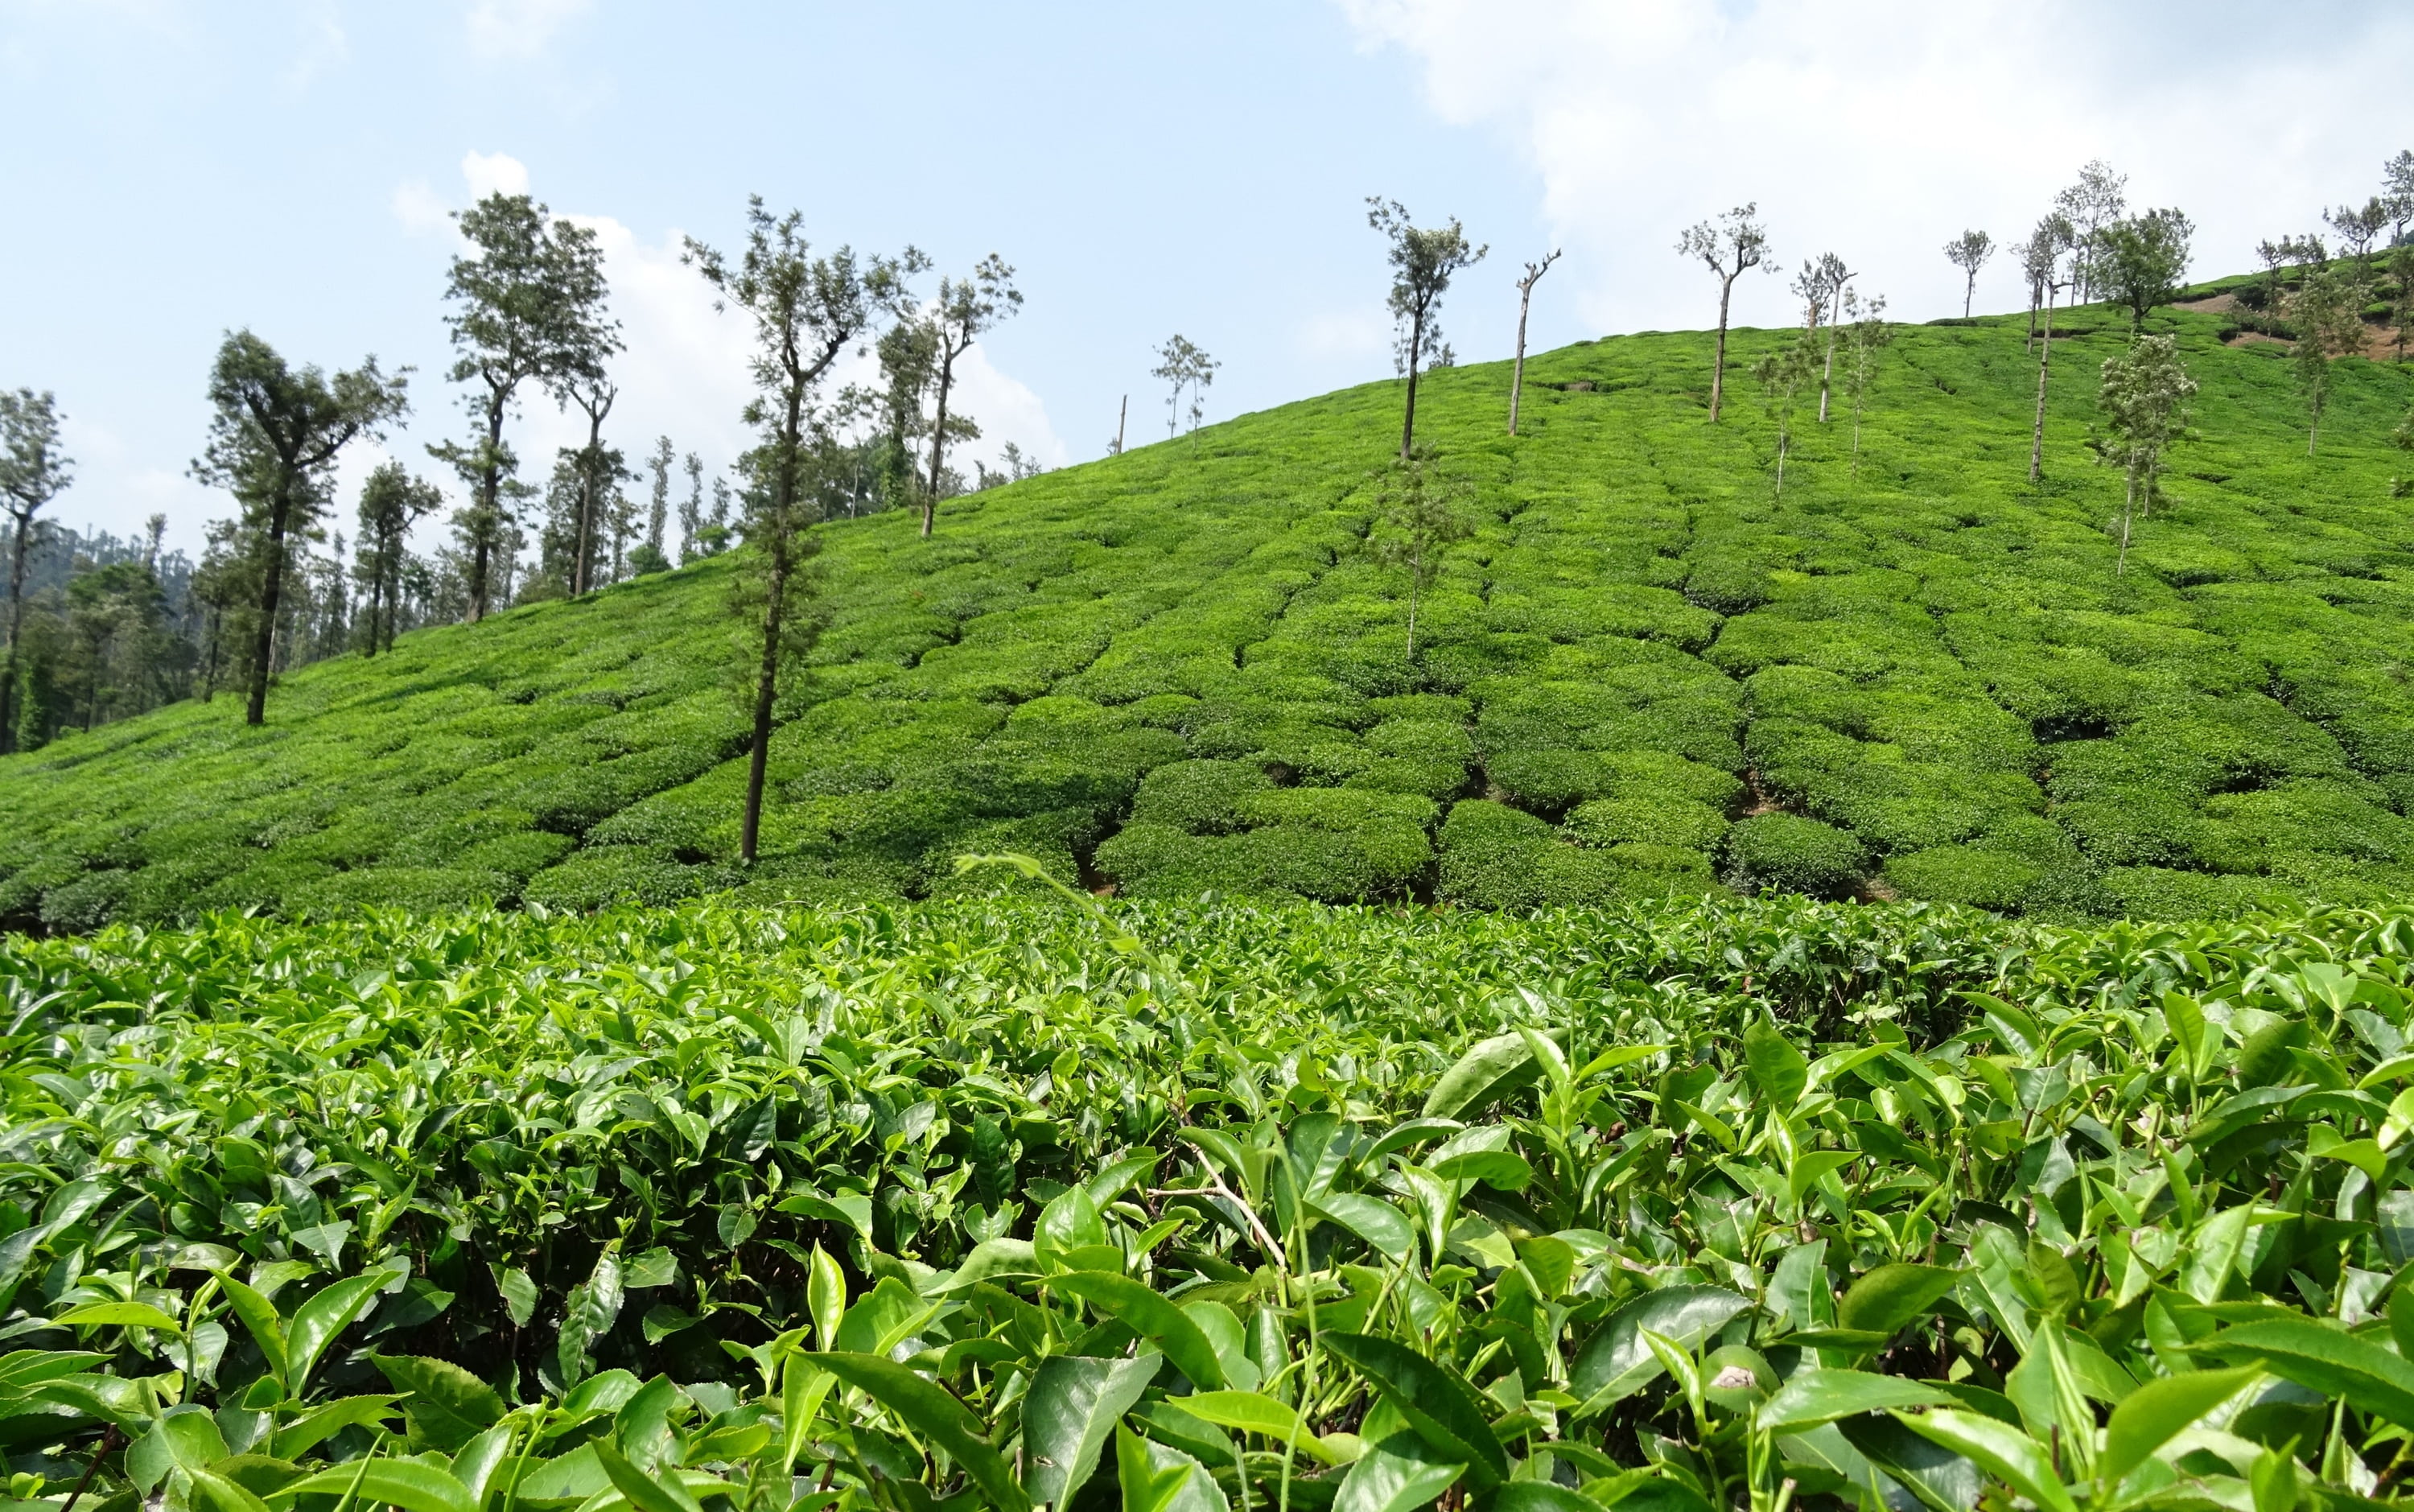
[[1070, 1414], [1434, 1399], [931, 1411]]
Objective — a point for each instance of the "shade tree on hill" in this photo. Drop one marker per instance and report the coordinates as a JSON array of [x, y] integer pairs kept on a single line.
[[2143, 260], [1526, 282], [1783, 374], [1423, 261], [966, 310], [528, 306], [1823, 287], [274, 440], [1729, 247], [2143, 398], [1422, 516], [806, 311], [1969, 252], [33, 472], [1183, 365], [392, 501], [2053, 240], [2327, 314], [2359, 230], [2098, 199]]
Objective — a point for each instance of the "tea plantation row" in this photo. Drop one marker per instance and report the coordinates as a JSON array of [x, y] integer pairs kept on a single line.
[[1747, 1206], [1186, 669]]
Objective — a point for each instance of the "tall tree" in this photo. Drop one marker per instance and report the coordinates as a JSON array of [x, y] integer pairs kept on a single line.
[[33, 472], [2327, 314], [1866, 336], [1969, 252], [1182, 365], [2358, 230], [2141, 261], [908, 353], [806, 311], [2098, 199], [272, 445], [659, 507], [1421, 517], [529, 306], [1729, 247], [964, 312], [1423, 261], [692, 509], [1821, 286], [1532, 275], [2397, 176], [593, 470], [2053, 237], [2144, 401], [392, 501]]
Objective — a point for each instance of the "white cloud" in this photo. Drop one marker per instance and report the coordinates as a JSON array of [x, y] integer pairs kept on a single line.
[[1881, 127], [512, 29], [494, 173], [420, 208]]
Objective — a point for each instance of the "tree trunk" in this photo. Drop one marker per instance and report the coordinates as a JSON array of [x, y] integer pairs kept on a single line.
[[1827, 372], [16, 628], [1123, 413], [490, 489], [2031, 344], [947, 353], [2045, 364], [1416, 350], [2128, 504], [272, 584], [775, 610], [1719, 363], [1969, 292], [1517, 374], [1785, 440]]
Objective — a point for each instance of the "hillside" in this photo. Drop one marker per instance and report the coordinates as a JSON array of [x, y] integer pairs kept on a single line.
[[1183, 668]]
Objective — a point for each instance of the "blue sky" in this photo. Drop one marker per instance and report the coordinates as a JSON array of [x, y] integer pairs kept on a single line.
[[180, 169]]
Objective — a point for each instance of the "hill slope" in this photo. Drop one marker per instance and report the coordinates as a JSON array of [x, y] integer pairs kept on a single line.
[[1185, 669]]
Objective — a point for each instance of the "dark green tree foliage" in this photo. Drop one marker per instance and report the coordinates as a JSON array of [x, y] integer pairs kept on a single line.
[[274, 440], [528, 306], [806, 311], [2143, 260], [2144, 402], [584, 481], [1423, 261], [392, 501], [658, 510], [966, 310], [1969, 252], [908, 356], [1730, 247], [33, 472]]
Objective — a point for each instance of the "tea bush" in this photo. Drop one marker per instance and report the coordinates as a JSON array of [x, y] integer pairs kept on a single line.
[[1741, 1205]]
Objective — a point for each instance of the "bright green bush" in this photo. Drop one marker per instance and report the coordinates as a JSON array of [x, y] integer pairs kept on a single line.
[[1788, 853], [1655, 820]]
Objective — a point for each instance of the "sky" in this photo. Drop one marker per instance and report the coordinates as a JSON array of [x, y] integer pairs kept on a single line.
[[178, 169]]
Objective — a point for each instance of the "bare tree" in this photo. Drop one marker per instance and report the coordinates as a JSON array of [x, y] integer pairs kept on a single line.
[[1423, 261], [1969, 252], [1533, 275], [1729, 247]]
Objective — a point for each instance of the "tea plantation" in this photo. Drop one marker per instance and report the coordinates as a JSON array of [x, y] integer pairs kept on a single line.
[[1184, 670]]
